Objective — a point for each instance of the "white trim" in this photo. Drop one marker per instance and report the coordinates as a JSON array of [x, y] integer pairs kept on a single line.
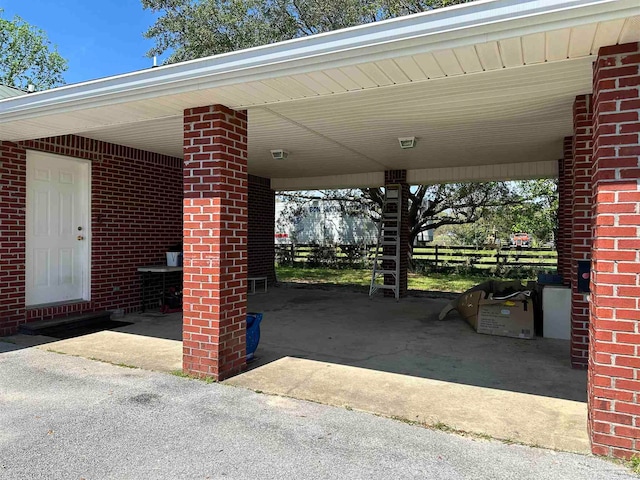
[[86, 281], [484, 173], [449, 27], [361, 180], [425, 176]]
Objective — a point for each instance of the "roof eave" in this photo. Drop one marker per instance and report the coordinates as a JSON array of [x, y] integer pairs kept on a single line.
[[439, 29]]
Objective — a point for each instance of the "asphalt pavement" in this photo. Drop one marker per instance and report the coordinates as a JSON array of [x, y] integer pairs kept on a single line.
[[64, 417]]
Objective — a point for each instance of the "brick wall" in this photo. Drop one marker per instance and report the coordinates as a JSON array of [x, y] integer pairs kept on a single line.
[[565, 211], [215, 241], [614, 362], [581, 236], [12, 239], [262, 213], [399, 177], [136, 213]]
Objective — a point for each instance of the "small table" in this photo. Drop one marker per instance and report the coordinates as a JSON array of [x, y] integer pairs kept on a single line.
[[150, 270], [252, 284]]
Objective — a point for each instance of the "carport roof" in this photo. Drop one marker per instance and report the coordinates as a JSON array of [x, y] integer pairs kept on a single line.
[[486, 87]]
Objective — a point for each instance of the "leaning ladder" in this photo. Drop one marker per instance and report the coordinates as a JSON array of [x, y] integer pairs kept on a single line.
[[387, 254]]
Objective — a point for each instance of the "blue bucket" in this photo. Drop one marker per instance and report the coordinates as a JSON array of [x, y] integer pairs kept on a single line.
[[253, 333]]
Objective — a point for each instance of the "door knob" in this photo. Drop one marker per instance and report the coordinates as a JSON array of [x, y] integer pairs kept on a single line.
[[80, 237]]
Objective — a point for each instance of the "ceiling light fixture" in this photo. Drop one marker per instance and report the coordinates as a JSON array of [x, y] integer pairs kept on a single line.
[[407, 142], [279, 154]]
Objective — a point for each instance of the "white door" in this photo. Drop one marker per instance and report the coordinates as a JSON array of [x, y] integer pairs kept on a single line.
[[57, 229]]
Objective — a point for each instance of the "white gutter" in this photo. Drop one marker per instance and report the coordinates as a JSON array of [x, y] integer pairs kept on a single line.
[[451, 27]]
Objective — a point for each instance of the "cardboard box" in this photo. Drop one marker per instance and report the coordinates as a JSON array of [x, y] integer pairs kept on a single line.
[[508, 317], [467, 307]]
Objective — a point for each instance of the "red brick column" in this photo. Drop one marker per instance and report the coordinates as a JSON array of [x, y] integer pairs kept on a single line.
[[13, 200], [581, 228], [399, 177], [215, 241], [565, 211], [262, 229], [614, 361]]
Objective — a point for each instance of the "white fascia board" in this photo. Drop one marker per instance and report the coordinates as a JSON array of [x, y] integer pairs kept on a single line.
[[449, 27], [424, 176], [484, 173], [350, 180]]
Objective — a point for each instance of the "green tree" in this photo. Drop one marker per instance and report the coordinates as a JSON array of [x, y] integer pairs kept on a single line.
[[434, 206], [430, 206], [193, 29], [532, 208], [27, 56], [536, 214]]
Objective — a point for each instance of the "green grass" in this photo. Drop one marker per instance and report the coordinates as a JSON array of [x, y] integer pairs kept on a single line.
[[120, 364], [180, 373], [444, 282]]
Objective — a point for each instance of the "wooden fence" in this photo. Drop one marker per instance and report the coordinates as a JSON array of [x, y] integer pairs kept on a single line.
[[433, 255]]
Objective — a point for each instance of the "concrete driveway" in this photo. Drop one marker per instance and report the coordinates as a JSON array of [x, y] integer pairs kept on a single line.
[[390, 358], [63, 417]]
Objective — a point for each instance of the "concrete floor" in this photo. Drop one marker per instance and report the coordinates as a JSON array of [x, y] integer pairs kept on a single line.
[[392, 358], [406, 337]]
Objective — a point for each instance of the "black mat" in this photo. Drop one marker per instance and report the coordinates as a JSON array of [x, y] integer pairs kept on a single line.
[[69, 331]]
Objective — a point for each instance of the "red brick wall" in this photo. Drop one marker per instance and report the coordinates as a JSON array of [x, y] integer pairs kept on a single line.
[[614, 361], [581, 228], [399, 177], [12, 239], [215, 241], [262, 213], [136, 213], [565, 211]]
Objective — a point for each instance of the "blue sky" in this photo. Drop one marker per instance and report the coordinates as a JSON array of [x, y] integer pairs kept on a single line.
[[98, 38]]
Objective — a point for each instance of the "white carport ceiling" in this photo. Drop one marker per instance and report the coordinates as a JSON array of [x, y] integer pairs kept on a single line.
[[501, 101]]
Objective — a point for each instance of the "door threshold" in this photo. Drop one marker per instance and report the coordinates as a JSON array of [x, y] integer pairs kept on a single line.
[[57, 304]]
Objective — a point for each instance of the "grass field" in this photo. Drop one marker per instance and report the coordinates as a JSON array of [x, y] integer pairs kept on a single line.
[[445, 282]]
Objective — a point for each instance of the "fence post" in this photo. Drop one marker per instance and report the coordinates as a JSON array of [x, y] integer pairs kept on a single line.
[[293, 255], [436, 268]]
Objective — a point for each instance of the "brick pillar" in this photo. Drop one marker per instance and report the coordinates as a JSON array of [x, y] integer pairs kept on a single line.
[[614, 361], [262, 229], [581, 228], [13, 200], [565, 211], [399, 177], [215, 241]]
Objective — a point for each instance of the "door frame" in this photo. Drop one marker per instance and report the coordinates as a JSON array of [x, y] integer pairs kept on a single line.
[[86, 195]]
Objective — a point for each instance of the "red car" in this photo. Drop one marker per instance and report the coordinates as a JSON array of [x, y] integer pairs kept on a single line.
[[522, 240]]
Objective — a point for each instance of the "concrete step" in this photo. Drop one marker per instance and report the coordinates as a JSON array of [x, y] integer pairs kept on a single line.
[[71, 321]]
